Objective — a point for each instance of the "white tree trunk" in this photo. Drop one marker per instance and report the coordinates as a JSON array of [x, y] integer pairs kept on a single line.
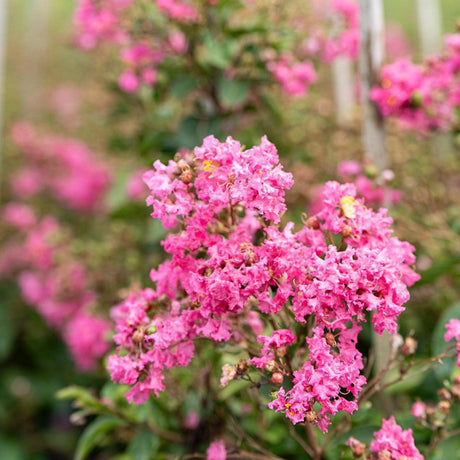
[[344, 89], [429, 27], [370, 61]]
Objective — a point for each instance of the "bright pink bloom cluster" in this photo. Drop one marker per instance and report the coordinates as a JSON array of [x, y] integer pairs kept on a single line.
[[231, 264], [295, 77], [395, 442], [423, 97], [453, 332], [64, 167], [98, 21]]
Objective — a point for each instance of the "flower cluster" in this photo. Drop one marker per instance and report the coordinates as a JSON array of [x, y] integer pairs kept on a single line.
[[391, 442], [140, 61], [38, 251], [233, 265], [63, 167], [294, 78], [100, 21], [55, 284], [422, 96], [335, 31]]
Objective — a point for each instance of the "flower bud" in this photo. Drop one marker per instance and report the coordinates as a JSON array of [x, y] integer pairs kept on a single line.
[[138, 336], [383, 455], [444, 394], [311, 416], [347, 231], [455, 390], [186, 177], [271, 366], [150, 330], [313, 222], [357, 447], [241, 367], [409, 347], [281, 351], [444, 406], [183, 165], [330, 339], [277, 378]]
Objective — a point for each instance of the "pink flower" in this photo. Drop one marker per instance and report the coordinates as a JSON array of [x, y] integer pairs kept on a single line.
[[19, 215], [419, 409], [86, 337], [394, 440], [216, 451], [128, 82], [135, 186]]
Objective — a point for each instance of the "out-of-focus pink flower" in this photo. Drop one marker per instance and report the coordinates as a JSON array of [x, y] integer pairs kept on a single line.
[[135, 186], [19, 215], [128, 82], [216, 451], [86, 337], [419, 409]]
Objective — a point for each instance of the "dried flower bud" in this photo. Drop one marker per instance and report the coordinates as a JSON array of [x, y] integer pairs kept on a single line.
[[183, 165], [383, 455], [313, 222], [357, 447], [271, 366], [455, 390], [138, 336], [347, 230], [277, 378], [311, 416], [242, 367], [330, 339], [444, 406], [186, 177], [444, 394], [281, 351], [457, 380], [409, 347]]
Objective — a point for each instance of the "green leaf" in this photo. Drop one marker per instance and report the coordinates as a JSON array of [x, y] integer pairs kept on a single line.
[[214, 53], [144, 446], [232, 92], [447, 449], [439, 344], [182, 85], [94, 434]]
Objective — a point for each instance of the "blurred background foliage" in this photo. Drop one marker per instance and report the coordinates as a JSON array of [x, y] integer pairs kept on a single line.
[[35, 364]]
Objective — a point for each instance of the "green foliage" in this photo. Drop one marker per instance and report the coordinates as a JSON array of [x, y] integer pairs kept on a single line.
[[95, 434]]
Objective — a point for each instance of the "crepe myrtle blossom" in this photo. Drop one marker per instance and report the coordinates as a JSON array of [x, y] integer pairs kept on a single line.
[[422, 96], [395, 442], [234, 270]]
